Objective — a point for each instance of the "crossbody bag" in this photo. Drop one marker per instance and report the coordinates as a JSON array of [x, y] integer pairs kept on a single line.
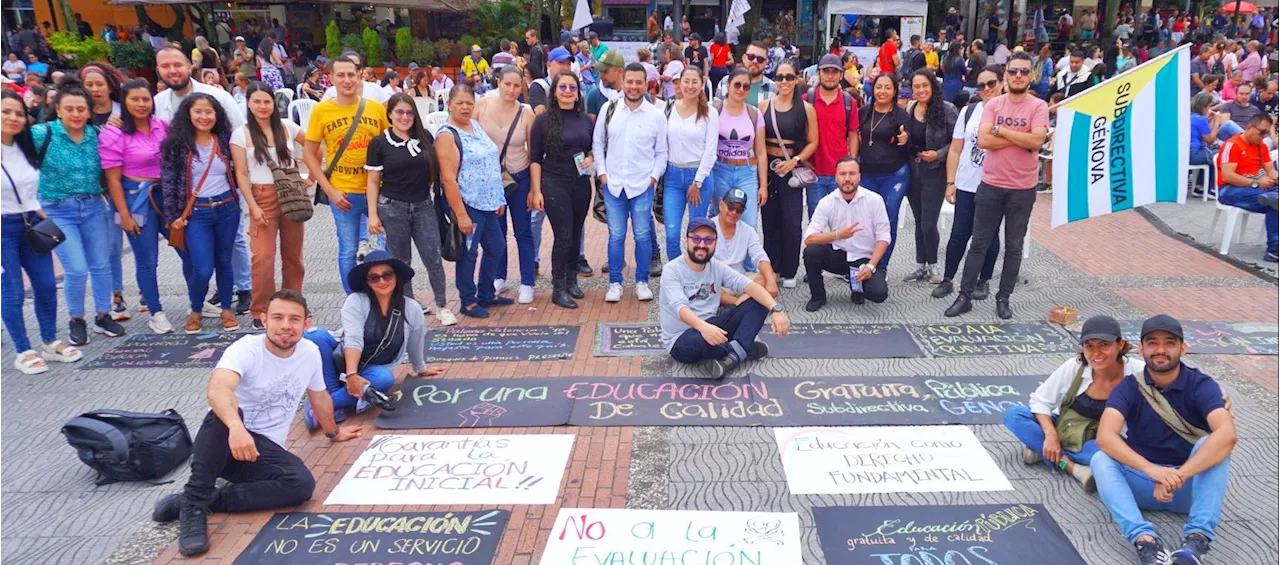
[[1073, 428], [43, 235], [801, 175], [1171, 417], [178, 236], [321, 197], [509, 184]]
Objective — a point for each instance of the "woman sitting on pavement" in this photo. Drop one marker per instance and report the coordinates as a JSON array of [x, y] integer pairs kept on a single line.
[[379, 325], [1060, 426]]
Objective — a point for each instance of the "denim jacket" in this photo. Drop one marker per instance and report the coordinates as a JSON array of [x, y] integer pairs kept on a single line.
[[174, 170]]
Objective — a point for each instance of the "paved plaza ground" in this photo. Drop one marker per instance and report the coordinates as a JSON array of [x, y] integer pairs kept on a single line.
[[1121, 265]]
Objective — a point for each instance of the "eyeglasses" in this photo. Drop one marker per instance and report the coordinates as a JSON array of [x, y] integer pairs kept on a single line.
[[756, 58], [702, 239], [989, 84], [784, 78], [1019, 71], [740, 85], [403, 113], [567, 88], [735, 208], [386, 276]]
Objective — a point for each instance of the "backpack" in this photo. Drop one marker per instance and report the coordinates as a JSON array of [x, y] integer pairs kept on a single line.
[[849, 105], [129, 446]]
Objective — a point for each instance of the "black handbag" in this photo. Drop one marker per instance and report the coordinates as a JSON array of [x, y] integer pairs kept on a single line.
[[41, 236]]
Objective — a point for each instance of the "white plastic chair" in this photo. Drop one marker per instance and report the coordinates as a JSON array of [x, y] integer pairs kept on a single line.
[[433, 121], [300, 111], [1197, 172], [1230, 232]]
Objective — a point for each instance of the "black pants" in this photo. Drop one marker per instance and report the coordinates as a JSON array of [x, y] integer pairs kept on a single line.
[[277, 479], [819, 258], [566, 200], [925, 192], [742, 323], [993, 204], [780, 219]]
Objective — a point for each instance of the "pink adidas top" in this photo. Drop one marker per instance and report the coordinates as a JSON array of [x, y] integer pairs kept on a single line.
[[137, 154]]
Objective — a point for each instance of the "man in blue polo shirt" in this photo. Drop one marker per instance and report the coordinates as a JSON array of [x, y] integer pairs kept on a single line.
[[1175, 459]]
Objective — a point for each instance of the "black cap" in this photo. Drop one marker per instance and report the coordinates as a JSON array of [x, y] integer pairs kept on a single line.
[[735, 196], [695, 223], [1104, 328], [1161, 322]]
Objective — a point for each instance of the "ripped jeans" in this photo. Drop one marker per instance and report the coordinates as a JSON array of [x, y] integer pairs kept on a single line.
[[892, 187]]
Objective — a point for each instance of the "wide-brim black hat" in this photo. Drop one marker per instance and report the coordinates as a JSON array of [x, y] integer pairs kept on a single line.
[[356, 279]]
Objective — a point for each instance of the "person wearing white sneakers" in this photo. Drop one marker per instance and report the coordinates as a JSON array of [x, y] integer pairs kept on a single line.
[[637, 130], [738, 246]]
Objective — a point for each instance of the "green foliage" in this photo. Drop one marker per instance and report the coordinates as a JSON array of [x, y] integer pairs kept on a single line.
[[424, 52], [493, 21], [372, 48], [132, 55], [72, 49], [350, 42], [333, 38], [404, 45]]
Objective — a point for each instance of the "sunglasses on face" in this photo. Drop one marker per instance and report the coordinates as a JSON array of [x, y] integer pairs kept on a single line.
[[702, 239], [567, 88], [756, 58], [784, 78], [740, 85], [735, 208], [1023, 71], [386, 276], [989, 84]]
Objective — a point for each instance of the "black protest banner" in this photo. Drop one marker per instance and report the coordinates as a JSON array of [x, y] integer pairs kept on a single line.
[[340, 538], [668, 402], [165, 351], [971, 340], [994, 534], [617, 340], [842, 341], [893, 401], [1214, 338], [506, 343], [479, 403]]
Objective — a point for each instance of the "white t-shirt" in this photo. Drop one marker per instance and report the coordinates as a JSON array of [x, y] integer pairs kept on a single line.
[[26, 177], [260, 173], [969, 169], [271, 387], [166, 103], [14, 69], [673, 70], [372, 91]]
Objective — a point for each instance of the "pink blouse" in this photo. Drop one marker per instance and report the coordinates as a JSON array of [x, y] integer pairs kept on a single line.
[[137, 154]]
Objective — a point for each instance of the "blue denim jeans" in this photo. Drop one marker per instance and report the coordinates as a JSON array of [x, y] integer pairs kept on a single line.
[[211, 240], [812, 194], [380, 377], [1246, 198], [117, 253], [1204, 156], [893, 188], [1127, 492], [348, 225], [518, 210], [961, 233], [16, 257], [1024, 426], [742, 323], [487, 234], [86, 253], [738, 176], [241, 262], [675, 199], [640, 211], [146, 248]]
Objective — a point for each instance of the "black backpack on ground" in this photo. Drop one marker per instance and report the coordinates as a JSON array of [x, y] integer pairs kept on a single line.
[[129, 446]]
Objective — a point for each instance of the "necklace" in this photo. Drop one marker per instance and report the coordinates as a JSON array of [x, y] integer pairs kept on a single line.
[[874, 124]]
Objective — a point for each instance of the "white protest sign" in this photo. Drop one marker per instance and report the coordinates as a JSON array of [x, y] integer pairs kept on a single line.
[[456, 469], [880, 459], [592, 535]]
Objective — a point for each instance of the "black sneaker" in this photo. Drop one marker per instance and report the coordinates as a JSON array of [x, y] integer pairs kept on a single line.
[[1003, 310], [78, 332], [1270, 201], [982, 290], [944, 289], [167, 509], [857, 298], [721, 368], [960, 306], [103, 324], [1152, 552], [193, 530], [759, 350], [1270, 257], [244, 299], [655, 266], [815, 304], [584, 268], [1193, 548], [258, 326], [375, 398]]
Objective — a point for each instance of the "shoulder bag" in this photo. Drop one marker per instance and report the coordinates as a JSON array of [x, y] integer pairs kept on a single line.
[[43, 235], [453, 243], [801, 175], [1171, 417], [509, 185], [321, 197], [178, 236], [1073, 428]]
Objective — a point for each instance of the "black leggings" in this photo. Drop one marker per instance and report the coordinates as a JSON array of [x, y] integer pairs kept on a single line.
[[925, 192], [780, 219], [566, 200]]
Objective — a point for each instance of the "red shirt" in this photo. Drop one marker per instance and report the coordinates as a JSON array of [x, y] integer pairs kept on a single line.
[[720, 55], [887, 51], [834, 126], [1249, 158]]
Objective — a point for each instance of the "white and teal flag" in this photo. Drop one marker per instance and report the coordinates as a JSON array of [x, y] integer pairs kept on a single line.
[[1124, 142]]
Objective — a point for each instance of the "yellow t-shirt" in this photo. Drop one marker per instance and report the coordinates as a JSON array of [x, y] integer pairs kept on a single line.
[[329, 124], [931, 59]]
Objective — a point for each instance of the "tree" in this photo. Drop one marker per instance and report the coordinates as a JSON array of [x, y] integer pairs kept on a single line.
[[172, 32]]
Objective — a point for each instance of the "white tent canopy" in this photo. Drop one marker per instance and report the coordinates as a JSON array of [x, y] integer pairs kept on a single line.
[[878, 7]]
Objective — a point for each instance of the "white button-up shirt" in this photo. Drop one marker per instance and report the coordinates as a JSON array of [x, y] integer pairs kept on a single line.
[[637, 147], [167, 103], [866, 208]]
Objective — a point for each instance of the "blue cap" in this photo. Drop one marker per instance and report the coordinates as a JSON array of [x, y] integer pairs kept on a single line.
[[695, 223], [559, 55]]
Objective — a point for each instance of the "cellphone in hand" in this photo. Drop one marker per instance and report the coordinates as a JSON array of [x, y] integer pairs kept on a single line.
[[855, 285], [578, 159]]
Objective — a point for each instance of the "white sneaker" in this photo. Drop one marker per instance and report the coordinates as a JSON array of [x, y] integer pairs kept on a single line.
[[445, 317], [643, 293], [499, 285], [934, 276], [159, 323], [789, 283], [526, 294], [614, 294], [211, 311]]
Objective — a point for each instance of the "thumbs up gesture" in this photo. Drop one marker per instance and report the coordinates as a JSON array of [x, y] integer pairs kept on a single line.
[[902, 135]]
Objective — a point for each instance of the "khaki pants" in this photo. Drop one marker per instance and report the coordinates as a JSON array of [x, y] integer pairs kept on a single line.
[[262, 245]]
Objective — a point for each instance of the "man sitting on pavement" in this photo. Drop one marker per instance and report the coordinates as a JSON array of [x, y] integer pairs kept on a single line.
[[691, 330], [739, 248], [847, 235], [1167, 461], [1247, 177], [253, 395]]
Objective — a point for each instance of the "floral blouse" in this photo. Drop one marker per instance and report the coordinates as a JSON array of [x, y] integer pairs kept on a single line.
[[479, 176]]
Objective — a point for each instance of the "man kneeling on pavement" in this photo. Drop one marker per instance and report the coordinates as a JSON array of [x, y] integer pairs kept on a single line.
[[691, 287], [1176, 455], [847, 235], [253, 395], [738, 246]]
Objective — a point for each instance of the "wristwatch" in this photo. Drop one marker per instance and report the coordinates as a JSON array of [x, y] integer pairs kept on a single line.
[[1255, 184], [870, 266], [332, 434], [995, 130], [777, 307]]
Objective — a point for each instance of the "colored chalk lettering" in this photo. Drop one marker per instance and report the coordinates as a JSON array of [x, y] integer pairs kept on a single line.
[[164, 351], [973, 340], [618, 536], [506, 343], [805, 341]]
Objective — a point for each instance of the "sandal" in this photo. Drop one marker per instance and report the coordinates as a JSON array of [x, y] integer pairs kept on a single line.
[[30, 363], [62, 353]]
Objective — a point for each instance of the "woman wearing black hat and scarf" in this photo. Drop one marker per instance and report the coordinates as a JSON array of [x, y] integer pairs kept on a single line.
[[379, 324]]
